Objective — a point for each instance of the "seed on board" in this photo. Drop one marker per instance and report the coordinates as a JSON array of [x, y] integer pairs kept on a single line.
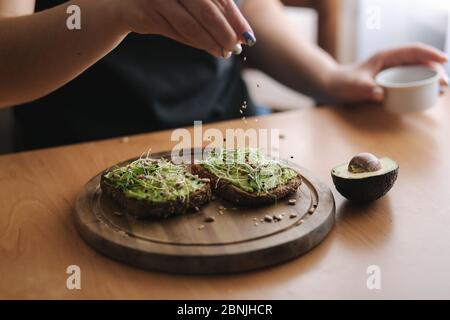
[[261, 220], [221, 212], [278, 218], [282, 136], [293, 215], [206, 180], [311, 211], [268, 219], [301, 221], [125, 140], [209, 219], [255, 219], [292, 202], [256, 224], [222, 208], [201, 227]]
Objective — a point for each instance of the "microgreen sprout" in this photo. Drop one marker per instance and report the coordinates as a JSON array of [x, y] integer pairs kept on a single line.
[[248, 169], [155, 180]]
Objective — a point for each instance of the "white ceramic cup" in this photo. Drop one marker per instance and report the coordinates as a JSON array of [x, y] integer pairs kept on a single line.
[[409, 88]]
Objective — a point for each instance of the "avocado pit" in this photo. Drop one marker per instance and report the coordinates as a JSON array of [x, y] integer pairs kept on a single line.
[[365, 178]]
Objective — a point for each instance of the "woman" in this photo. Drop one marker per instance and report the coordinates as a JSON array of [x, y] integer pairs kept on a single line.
[[142, 65]]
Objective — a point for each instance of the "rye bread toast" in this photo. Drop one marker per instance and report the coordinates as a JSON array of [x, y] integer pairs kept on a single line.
[[241, 198], [148, 208], [232, 192]]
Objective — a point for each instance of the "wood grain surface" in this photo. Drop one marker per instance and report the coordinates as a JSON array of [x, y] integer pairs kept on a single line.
[[240, 239], [405, 234]]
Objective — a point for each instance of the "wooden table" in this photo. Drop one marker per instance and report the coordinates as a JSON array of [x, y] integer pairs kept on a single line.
[[406, 234]]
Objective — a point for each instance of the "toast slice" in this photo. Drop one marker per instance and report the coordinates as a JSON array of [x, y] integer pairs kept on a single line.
[[148, 188], [247, 178]]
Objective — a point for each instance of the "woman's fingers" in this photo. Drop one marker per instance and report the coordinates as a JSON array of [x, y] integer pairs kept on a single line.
[[210, 16], [188, 28], [237, 21], [413, 54]]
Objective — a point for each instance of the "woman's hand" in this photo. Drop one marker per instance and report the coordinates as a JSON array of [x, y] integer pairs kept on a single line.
[[216, 26], [355, 83]]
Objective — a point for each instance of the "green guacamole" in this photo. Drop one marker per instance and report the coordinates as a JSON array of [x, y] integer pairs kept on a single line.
[[154, 180], [248, 170]]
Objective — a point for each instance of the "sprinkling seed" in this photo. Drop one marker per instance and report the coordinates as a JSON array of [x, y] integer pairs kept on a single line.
[[293, 216], [241, 112], [209, 219], [292, 202], [268, 219]]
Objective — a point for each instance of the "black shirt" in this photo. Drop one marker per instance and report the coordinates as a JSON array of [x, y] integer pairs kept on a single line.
[[147, 83]]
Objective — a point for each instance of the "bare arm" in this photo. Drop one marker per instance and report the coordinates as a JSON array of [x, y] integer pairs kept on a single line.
[[39, 54], [284, 54]]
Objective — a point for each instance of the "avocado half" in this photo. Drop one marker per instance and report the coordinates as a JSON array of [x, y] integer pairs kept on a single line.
[[367, 186]]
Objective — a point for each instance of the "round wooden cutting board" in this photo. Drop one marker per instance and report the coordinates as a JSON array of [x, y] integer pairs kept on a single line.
[[238, 239]]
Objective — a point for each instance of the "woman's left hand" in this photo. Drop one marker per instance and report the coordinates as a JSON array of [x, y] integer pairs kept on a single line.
[[355, 83]]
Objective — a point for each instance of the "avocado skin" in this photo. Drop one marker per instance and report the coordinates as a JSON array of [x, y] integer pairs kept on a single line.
[[366, 190]]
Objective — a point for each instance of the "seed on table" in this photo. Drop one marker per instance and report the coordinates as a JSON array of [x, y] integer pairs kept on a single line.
[[209, 219], [268, 219], [293, 216]]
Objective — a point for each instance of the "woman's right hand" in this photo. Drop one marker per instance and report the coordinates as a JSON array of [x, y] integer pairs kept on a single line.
[[215, 26]]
